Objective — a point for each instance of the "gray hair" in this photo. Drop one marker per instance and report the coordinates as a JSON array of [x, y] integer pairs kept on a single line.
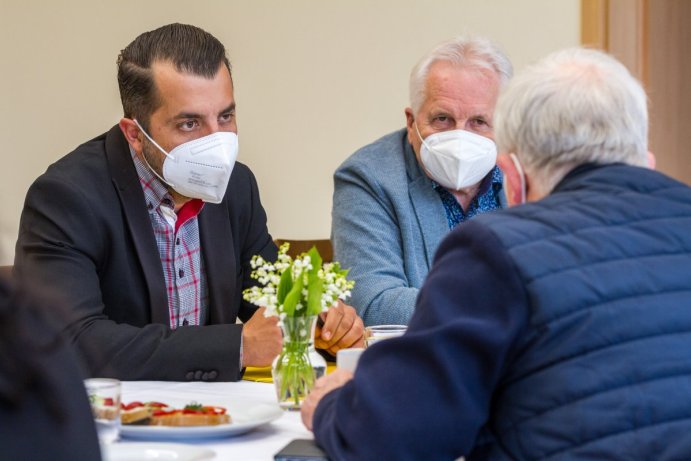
[[467, 51], [575, 106]]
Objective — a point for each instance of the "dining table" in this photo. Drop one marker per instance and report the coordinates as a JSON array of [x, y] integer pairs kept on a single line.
[[270, 430]]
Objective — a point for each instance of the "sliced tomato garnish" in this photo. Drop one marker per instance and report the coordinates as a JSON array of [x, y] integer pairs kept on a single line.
[[188, 411], [156, 404], [215, 410], [131, 405], [161, 409]]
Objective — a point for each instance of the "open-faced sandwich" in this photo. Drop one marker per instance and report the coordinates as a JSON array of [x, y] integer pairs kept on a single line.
[[160, 414]]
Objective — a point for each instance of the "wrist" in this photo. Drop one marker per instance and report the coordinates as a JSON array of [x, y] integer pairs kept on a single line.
[[241, 355]]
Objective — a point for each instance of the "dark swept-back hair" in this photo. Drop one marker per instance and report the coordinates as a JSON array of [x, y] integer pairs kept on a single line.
[[189, 48]]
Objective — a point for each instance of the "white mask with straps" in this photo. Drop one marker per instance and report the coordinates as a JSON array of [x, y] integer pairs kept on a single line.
[[457, 159], [199, 168]]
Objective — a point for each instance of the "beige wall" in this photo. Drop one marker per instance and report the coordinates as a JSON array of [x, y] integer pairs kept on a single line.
[[314, 81]]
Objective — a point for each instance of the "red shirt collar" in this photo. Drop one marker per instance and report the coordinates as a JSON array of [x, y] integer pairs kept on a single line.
[[188, 211]]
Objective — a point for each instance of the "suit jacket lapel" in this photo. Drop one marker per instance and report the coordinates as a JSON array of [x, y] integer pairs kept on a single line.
[[427, 205], [219, 261], [133, 206]]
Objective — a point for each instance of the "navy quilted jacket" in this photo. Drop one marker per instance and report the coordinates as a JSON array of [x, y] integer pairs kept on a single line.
[[605, 369], [558, 330]]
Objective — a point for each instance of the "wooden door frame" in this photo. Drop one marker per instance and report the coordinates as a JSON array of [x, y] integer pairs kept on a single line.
[[594, 23], [620, 28]]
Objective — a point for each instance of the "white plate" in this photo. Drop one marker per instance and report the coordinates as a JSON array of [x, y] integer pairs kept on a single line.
[[244, 419], [141, 451]]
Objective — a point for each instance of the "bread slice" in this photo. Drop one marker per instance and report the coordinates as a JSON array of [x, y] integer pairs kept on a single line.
[[137, 415], [179, 418]]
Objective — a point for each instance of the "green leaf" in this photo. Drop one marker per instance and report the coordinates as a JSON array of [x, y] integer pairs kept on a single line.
[[293, 297], [193, 406], [285, 285], [315, 290], [315, 259], [315, 286]]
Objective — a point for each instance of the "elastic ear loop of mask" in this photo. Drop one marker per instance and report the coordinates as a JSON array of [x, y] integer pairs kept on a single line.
[[420, 136], [159, 148], [521, 173]]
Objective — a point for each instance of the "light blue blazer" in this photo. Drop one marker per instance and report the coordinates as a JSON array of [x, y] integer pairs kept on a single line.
[[387, 222]]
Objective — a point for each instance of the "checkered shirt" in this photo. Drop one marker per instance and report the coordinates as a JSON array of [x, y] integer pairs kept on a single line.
[[179, 246]]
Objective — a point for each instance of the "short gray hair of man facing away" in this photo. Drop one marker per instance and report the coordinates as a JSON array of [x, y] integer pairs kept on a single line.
[[465, 50], [575, 106]]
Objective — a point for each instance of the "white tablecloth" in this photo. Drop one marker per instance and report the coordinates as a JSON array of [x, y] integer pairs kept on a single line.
[[260, 444]]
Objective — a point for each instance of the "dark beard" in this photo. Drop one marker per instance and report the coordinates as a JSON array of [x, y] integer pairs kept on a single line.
[[152, 156]]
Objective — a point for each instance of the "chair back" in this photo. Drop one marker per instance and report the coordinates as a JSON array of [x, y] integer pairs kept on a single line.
[[303, 246]]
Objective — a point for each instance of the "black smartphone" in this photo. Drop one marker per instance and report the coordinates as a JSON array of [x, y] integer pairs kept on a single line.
[[301, 450]]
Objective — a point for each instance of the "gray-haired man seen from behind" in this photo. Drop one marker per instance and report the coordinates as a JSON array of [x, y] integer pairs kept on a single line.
[[396, 199], [576, 343]]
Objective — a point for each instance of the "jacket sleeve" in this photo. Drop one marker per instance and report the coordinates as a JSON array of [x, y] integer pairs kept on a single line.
[[427, 394], [366, 236], [66, 245]]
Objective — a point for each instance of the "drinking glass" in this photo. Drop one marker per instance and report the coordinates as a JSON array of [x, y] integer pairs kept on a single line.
[[104, 396], [376, 333]]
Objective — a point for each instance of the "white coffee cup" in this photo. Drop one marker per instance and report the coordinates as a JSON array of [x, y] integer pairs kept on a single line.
[[377, 333], [347, 359]]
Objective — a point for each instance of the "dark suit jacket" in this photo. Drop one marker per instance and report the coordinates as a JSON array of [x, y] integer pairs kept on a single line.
[[44, 410], [85, 231]]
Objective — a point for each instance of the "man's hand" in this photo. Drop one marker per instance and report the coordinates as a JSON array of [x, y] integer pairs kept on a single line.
[[322, 386], [342, 329], [261, 340]]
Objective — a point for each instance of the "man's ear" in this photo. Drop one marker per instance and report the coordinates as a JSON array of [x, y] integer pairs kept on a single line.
[[651, 160], [409, 120], [132, 133], [512, 180]]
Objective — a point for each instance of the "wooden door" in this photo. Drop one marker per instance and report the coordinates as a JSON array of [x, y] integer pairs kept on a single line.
[[653, 39]]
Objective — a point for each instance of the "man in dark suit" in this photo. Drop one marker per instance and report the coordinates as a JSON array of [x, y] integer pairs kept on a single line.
[[567, 333], [149, 229], [44, 409]]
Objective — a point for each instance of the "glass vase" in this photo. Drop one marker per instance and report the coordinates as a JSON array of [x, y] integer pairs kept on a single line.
[[298, 365]]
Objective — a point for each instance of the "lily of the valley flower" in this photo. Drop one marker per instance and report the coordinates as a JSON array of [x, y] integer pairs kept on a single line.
[[297, 287]]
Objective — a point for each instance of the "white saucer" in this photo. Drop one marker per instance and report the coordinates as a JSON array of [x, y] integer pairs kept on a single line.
[[144, 451]]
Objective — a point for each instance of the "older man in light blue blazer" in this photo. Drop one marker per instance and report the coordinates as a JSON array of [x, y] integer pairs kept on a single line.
[[395, 199]]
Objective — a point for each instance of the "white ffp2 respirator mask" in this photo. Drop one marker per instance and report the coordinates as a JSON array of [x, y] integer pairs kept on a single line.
[[199, 168], [457, 159]]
